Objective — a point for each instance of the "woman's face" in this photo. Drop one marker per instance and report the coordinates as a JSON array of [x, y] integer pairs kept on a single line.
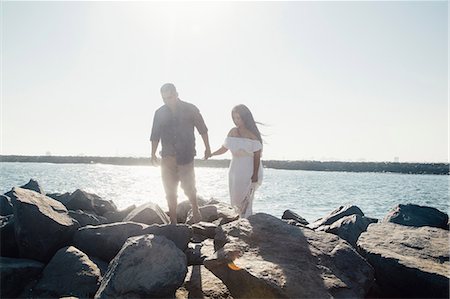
[[237, 119]]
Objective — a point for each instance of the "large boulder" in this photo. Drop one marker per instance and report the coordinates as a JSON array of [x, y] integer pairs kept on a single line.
[[201, 283], [264, 257], [409, 262], [104, 241], [15, 274], [335, 215], [350, 227], [42, 225], [147, 266], [179, 234], [8, 244], [82, 200], [149, 213], [415, 215], [5, 206], [69, 273]]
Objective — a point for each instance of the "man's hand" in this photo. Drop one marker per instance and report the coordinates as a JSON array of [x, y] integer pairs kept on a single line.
[[207, 154], [154, 160], [254, 178]]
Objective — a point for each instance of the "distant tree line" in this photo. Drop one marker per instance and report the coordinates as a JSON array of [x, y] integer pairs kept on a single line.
[[411, 168]]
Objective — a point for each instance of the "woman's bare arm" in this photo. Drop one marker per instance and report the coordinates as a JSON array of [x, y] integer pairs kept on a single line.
[[256, 162], [220, 151]]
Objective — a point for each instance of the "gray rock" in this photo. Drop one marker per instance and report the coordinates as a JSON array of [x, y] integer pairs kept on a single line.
[[206, 229], [184, 207], [5, 206], [264, 257], [82, 200], [179, 234], [219, 213], [104, 241], [61, 197], [147, 266], [34, 186], [85, 218], [15, 274], [69, 273], [196, 253], [408, 261], [149, 213], [8, 244], [118, 216], [415, 215], [42, 225], [334, 216], [288, 214], [350, 227], [201, 283]]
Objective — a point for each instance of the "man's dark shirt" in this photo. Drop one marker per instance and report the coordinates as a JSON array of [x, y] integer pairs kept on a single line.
[[176, 130]]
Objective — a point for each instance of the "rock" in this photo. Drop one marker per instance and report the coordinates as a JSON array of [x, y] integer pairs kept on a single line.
[[61, 197], [201, 283], [206, 229], [218, 214], [288, 214], [179, 234], [334, 216], [82, 200], [104, 241], [149, 213], [69, 273], [147, 266], [196, 253], [15, 274], [85, 218], [264, 257], [408, 261], [5, 206], [184, 207], [42, 225], [8, 244], [415, 215], [350, 227], [118, 216], [33, 185]]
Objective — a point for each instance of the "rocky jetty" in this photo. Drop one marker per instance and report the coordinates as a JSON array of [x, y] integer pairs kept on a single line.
[[80, 245]]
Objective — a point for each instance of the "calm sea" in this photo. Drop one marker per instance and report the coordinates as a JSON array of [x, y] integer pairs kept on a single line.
[[312, 194]]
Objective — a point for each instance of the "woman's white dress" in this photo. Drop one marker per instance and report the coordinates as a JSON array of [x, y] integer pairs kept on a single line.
[[240, 184]]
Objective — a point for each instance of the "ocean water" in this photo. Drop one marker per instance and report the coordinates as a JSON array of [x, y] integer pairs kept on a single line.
[[311, 194]]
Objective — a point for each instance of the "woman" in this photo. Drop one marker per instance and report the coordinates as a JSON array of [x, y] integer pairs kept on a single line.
[[245, 173]]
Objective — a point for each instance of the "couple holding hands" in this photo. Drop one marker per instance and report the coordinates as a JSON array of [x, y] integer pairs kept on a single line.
[[173, 125]]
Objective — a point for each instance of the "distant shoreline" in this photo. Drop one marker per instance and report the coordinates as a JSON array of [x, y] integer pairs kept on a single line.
[[407, 168]]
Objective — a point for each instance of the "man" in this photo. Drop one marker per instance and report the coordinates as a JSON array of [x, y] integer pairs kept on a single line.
[[174, 124]]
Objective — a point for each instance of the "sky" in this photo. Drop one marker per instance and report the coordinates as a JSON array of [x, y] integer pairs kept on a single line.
[[342, 81]]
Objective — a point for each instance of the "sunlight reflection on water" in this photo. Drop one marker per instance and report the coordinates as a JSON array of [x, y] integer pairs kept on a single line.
[[312, 194]]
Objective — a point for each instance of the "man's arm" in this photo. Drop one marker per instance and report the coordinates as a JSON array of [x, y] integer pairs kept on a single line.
[[155, 137], [154, 159], [207, 147]]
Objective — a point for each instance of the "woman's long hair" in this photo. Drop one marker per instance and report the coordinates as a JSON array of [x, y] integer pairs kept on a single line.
[[247, 118]]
